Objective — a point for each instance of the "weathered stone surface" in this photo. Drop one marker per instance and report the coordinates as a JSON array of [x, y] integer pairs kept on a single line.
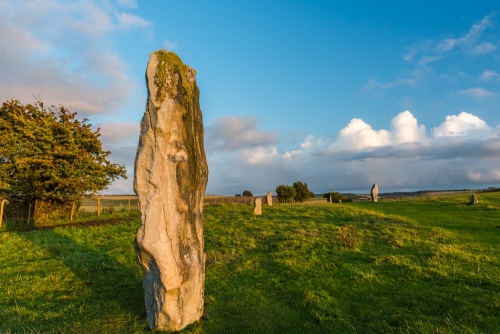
[[257, 209], [473, 199], [269, 198], [374, 193], [170, 180]]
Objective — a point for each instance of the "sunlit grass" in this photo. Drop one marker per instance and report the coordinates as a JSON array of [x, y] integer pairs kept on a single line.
[[415, 265]]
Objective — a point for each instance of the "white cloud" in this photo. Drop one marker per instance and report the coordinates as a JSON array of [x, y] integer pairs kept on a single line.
[[235, 133], [127, 3], [62, 53], [130, 21], [463, 152], [405, 129], [476, 92], [489, 75], [358, 135], [461, 125], [119, 133], [470, 41], [483, 48]]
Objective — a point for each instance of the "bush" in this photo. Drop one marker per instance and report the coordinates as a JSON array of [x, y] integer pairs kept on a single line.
[[247, 193], [302, 191], [285, 193], [336, 197]]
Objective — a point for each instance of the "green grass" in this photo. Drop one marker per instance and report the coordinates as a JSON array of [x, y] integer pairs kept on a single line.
[[422, 265]]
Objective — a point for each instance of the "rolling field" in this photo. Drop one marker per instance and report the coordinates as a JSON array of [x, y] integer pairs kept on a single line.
[[410, 265]]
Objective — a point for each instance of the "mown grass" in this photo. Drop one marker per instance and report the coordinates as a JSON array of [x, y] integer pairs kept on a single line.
[[426, 265]]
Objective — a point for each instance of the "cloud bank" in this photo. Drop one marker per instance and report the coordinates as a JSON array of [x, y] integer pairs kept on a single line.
[[61, 52], [463, 151]]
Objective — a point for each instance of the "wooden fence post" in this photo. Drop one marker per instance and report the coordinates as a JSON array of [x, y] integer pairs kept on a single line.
[[128, 207], [72, 211], [1, 211], [98, 207]]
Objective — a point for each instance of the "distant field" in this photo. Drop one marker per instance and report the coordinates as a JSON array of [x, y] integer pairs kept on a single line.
[[116, 202], [428, 264]]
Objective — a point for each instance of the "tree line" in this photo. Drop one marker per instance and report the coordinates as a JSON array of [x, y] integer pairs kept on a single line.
[[299, 192]]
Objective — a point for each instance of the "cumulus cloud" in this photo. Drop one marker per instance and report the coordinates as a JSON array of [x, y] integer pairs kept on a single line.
[[405, 129], [461, 125], [358, 135], [463, 151], [61, 53]]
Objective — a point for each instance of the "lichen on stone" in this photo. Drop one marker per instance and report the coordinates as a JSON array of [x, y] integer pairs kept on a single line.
[[168, 65]]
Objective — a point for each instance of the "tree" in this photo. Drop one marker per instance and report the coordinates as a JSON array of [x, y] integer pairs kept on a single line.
[[336, 197], [48, 158], [285, 193], [247, 193], [302, 192]]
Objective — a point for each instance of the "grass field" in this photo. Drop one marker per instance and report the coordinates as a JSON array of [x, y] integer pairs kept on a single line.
[[412, 265]]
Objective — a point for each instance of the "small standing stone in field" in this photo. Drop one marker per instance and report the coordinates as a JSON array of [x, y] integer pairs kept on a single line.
[[269, 199], [171, 175], [473, 199], [374, 193], [330, 199], [257, 209]]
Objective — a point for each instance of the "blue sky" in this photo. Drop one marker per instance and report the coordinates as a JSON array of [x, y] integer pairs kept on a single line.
[[337, 94]]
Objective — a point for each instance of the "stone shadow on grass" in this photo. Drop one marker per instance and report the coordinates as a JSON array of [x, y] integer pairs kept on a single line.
[[102, 283]]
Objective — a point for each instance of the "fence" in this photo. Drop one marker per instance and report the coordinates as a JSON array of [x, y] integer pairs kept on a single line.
[[116, 203]]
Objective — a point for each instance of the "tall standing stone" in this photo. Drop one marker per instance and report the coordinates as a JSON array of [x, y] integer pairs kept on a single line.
[[374, 193], [269, 198], [170, 180], [257, 208], [473, 199]]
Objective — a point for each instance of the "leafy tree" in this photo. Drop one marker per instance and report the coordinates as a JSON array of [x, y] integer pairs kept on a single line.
[[48, 158], [336, 197], [285, 193], [247, 193], [302, 191]]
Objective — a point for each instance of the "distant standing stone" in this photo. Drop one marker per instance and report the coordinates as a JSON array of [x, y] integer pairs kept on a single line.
[[473, 199], [171, 175], [269, 199], [257, 209], [374, 193]]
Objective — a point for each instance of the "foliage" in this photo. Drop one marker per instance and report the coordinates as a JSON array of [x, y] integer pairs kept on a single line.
[[336, 197], [247, 193], [426, 265], [285, 193], [302, 192], [49, 158]]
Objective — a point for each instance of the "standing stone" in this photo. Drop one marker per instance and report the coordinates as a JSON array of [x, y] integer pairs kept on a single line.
[[170, 180], [269, 199], [473, 199], [374, 193], [257, 209]]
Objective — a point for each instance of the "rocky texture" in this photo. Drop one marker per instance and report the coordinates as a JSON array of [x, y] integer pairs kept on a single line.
[[269, 199], [473, 199], [374, 193], [170, 179], [257, 209]]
